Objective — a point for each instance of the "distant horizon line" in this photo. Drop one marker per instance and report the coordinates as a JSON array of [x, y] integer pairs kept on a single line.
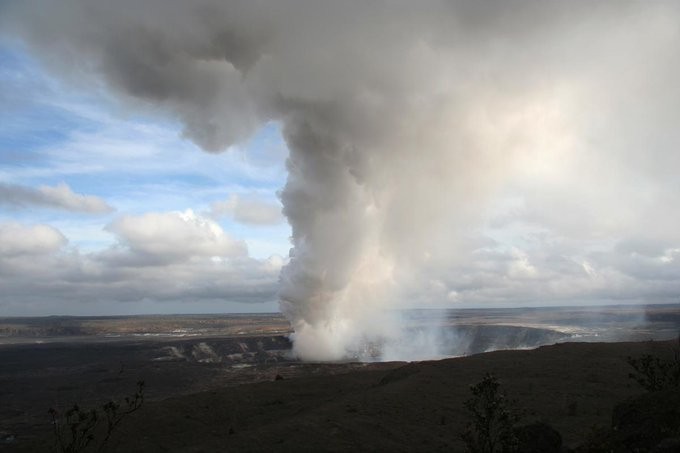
[[278, 313]]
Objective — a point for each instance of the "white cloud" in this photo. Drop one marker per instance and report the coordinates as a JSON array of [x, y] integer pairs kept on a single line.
[[159, 257], [553, 271], [17, 240], [58, 197], [175, 236], [249, 210]]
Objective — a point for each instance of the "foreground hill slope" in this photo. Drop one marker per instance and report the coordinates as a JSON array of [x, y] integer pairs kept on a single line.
[[412, 407]]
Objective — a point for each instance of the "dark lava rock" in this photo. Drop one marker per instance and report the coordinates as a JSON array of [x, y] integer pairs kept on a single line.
[[398, 374], [538, 437], [670, 445], [643, 422], [6, 437]]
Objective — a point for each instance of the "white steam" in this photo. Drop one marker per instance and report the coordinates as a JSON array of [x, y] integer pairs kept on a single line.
[[401, 118]]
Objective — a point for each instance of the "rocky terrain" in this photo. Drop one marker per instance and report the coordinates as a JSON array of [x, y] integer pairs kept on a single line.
[[417, 406], [230, 382]]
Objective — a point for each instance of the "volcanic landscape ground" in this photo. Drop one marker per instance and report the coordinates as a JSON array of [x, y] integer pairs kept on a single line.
[[211, 381]]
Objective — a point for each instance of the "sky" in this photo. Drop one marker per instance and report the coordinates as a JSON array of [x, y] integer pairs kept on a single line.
[[79, 181], [462, 154]]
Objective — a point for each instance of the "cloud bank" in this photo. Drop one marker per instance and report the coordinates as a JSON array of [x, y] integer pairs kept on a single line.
[[409, 126], [189, 259]]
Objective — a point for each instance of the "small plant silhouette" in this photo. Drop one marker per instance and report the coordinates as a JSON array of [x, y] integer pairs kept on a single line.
[[75, 431], [654, 373], [79, 429], [491, 429]]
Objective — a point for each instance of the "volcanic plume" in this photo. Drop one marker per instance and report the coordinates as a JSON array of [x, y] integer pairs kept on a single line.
[[401, 117]]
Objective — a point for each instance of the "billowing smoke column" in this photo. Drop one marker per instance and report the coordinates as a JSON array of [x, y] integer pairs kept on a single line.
[[400, 116]]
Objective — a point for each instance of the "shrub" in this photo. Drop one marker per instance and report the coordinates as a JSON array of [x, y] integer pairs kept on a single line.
[[654, 373], [79, 429], [493, 418]]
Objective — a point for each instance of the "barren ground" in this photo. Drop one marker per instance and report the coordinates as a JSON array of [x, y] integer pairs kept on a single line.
[[205, 407]]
